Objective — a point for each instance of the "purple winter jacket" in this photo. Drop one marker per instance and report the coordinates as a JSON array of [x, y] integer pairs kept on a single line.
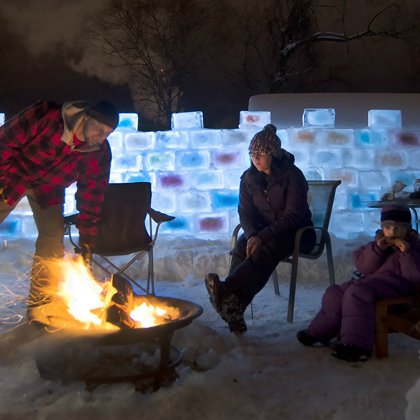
[[390, 264], [275, 204]]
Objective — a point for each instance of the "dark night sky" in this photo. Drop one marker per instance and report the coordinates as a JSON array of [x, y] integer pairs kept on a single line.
[[41, 43]]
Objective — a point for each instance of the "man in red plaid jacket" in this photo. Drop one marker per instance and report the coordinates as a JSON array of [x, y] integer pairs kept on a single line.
[[43, 150]]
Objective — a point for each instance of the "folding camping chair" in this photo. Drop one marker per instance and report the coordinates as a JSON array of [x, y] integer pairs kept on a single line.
[[122, 229], [321, 199]]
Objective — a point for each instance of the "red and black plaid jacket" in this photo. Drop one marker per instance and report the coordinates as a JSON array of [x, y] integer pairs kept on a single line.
[[32, 155]]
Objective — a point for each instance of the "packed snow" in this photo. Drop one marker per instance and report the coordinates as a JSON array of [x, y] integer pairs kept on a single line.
[[264, 374]]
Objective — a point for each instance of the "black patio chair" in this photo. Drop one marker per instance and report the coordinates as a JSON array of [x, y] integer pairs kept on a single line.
[[321, 199], [122, 230]]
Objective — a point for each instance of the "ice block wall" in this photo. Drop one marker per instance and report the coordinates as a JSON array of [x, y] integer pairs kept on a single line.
[[195, 171]]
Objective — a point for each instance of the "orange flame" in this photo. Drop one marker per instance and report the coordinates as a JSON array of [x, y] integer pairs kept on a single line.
[[87, 300]]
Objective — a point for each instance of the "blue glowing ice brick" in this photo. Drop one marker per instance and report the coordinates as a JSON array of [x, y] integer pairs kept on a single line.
[[192, 159], [181, 224], [124, 162], [360, 201], [225, 200], [139, 176], [318, 117], [369, 138], [11, 227], [128, 122], [205, 180]]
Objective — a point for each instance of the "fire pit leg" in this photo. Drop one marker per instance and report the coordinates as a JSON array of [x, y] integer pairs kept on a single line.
[[166, 369]]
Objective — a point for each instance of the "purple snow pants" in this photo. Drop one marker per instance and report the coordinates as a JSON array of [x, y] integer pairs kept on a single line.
[[350, 309]]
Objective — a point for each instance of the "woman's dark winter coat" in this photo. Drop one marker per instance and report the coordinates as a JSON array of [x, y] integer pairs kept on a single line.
[[271, 205]]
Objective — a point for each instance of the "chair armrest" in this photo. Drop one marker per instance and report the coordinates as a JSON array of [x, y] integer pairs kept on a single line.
[[159, 217], [301, 231], [235, 236]]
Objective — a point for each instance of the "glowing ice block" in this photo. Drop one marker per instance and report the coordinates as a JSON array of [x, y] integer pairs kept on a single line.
[[206, 180], [369, 138], [11, 227], [139, 141], [139, 176], [328, 159], [225, 200], [115, 140], [162, 161], [172, 180], [194, 201], [181, 120], [203, 139], [116, 178], [192, 159], [164, 201], [128, 122], [384, 118], [258, 118], [312, 174], [172, 139], [212, 223], [406, 139], [239, 138], [125, 162], [29, 229], [359, 201], [2, 119], [23, 208], [226, 160], [318, 117], [180, 225]]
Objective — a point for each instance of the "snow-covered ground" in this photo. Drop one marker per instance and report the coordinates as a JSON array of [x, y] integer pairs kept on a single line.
[[265, 374]]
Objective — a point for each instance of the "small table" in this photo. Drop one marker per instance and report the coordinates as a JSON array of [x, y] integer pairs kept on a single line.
[[412, 204]]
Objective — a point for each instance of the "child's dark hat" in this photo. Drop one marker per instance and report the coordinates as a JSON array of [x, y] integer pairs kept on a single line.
[[395, 214]]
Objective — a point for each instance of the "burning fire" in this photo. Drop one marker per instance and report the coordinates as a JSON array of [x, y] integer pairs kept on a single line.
[[87, 300]]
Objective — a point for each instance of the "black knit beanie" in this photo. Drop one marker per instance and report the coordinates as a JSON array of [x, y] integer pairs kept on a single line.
[[106, 113]]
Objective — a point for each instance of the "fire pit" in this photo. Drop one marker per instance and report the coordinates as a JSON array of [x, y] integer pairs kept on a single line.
[[100, 355]]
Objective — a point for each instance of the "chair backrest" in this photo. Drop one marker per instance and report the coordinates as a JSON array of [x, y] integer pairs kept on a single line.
[[122, 229], [321, 199], [321, 196]]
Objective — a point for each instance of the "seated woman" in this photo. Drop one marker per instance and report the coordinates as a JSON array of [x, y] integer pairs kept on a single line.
[[390, 266], [272, 207]]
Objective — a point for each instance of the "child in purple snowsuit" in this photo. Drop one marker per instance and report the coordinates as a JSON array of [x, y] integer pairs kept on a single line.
[[391, 267]]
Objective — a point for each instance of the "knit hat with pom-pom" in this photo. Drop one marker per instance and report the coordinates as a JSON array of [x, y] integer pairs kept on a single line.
[[266, 142]]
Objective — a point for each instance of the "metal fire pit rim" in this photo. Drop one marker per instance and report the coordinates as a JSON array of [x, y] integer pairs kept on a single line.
[[132, 335]]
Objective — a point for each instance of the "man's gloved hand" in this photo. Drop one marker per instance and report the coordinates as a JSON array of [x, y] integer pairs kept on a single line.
[[86, 252], [2, 197]]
